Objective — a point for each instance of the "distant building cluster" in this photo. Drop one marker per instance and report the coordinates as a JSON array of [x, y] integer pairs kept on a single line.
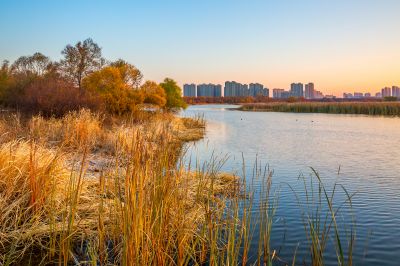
[[209, 90], [235, 89], [393, 91], [356, 95], [298, 90], [189, 90], [206, 90], [231, 89]]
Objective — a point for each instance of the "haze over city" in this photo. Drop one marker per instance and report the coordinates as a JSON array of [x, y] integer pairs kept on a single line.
[[341, 46]]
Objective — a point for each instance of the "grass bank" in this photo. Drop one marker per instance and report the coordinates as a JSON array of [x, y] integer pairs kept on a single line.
[[366, 108], [89, 189]]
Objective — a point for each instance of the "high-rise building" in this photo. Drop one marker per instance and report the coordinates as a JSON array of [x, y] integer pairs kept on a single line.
[[277, 93], [378, 95], [266, 92], [297, 90], [318, 95], [189, 90], [257, 89], [309, 91], [218, 90], [235, 89], [367, 95], [280, 94], [386, 92], [285, 94], [358, 95], [208, 90], [347, 95], [396, 91]]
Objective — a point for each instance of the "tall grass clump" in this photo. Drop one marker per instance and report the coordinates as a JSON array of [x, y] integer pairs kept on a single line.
[[31, 176], [75, 130], [328, 220]]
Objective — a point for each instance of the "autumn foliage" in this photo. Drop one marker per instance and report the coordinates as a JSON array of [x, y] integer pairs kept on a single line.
[[153, 94], [81, 79], [117, 95]]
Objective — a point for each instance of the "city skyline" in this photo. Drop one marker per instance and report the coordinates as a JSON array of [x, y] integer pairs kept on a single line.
[[299, 90], [340, 45]]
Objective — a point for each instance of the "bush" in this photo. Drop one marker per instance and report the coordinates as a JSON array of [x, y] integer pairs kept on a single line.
[[55, 96]]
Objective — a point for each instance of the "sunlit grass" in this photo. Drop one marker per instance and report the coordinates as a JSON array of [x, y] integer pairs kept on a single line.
[[145, 207]]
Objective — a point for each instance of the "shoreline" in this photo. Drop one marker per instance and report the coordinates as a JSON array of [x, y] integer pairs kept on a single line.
[[389, 109], [76, 178]]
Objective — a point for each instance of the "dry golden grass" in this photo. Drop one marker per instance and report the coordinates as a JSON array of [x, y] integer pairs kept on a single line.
[[78, 190], [76, 130], [143, 203], [188, 129], [30, 177]]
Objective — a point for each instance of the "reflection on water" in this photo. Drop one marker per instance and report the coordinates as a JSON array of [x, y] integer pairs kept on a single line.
[[366, 149]]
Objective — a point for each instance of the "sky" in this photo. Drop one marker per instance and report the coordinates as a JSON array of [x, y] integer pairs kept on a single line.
[[340, 45]]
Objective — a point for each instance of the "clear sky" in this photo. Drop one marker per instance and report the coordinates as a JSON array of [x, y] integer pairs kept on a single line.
[[340, 45]]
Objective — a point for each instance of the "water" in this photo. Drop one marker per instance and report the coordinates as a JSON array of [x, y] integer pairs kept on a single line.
[[365, 148]]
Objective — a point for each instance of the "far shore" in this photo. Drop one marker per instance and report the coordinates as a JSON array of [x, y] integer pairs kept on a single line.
[[365, 108]]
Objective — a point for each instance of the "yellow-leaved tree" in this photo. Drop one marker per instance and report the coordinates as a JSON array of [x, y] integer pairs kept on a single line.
[[154, 94], [117, 90]]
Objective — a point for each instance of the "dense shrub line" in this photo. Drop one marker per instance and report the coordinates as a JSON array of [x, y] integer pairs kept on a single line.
[[81, 79]]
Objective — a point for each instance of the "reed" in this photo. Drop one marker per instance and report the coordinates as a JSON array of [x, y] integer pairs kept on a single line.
[[144, 207], [365, 108], [327, 219]]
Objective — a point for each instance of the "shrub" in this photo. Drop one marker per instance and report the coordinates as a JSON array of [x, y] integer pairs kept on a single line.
[[56, 96]]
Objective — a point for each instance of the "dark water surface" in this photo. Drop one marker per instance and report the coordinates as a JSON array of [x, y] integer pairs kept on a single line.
[[366, 148]]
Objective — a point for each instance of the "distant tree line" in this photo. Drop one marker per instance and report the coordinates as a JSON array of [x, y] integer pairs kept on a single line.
[[226, 100], [82, 78]]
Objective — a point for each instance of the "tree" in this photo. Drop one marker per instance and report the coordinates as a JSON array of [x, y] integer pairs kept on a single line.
[[81, 60], [6, 81], [154, 94], [36, 65], [131, 75], [173, 93], [118, 96]]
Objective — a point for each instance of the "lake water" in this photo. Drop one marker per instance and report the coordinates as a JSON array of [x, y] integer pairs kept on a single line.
[[365, 148]]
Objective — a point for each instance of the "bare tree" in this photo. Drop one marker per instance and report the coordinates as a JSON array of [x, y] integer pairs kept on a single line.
[[37, 64], [5, 66], [20, 66], [81, 60]]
